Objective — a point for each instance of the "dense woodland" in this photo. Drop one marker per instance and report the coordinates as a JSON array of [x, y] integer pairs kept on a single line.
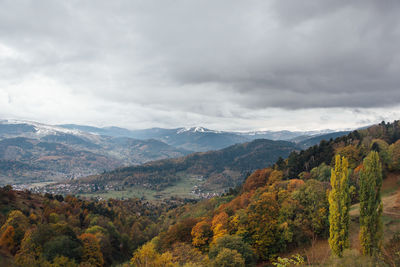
[[276, 211]]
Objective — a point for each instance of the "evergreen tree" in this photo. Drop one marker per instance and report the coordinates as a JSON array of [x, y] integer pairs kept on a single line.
[[370, 204], [339, 205]]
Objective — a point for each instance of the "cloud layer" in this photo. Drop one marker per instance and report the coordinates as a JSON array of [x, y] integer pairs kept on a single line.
[[222, 64]]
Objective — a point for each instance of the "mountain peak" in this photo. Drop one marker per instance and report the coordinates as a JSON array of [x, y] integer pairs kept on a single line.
[[196, 129]]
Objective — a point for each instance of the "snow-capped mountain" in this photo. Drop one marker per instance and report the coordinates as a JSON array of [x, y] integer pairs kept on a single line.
[[196, 130], [34, 129], [197, 138]]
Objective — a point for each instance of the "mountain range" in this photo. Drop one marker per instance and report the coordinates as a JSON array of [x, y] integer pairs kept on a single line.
[[197, 139], [33, 152]]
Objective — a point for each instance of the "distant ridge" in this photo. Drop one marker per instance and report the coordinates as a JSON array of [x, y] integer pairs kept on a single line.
[[199, 139]]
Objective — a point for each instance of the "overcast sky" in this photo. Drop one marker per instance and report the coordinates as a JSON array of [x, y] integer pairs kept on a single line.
[[228, 65]]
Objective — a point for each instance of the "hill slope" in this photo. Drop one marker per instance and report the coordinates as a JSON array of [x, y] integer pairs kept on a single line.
[[214, 170], [30, 160], [307, 141]]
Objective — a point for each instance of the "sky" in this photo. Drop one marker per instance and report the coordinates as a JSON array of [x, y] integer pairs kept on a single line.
[[220, 64]]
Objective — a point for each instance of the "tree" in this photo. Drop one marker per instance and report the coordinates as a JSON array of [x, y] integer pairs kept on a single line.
[[262, 225], [371, 204], [229, 258], [20, 223], [233, 243], [7, 239], [180, 232], [62, 246], [339, 205], [91, 250], [218, 225], [352, 155], [62, 261], [312, 209], [201, 234], [285, 262], [321, 173], [185, 254], [382, 148], [394, 151], [148, 256]]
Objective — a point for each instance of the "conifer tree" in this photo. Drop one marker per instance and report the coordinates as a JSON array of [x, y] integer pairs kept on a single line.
[[371, 204], [339, 205]]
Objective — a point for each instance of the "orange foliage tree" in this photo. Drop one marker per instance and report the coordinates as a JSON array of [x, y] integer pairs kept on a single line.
[[258, 179], [91, 250], [219, 224], [201, 234], [7, 239]]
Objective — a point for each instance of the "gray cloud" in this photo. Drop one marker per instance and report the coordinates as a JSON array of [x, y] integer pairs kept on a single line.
[[217, 63]]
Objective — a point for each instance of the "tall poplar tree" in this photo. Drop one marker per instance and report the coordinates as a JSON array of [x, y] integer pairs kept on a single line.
[[371, 204], [339, 205]]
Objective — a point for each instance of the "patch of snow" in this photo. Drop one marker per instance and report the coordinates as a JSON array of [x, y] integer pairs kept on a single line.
[[45, 129], [197, 129]]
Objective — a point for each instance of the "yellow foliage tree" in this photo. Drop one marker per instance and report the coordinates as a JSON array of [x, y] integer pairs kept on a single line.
[[218, 225], [339, 205], [148, 256], [201, 234], [91, 250], [28, 253]]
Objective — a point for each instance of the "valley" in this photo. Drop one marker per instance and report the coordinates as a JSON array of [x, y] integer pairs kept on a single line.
[[207, 173], [32, 152]]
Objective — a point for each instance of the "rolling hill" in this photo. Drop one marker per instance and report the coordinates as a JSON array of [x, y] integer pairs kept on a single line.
[[213, 171]]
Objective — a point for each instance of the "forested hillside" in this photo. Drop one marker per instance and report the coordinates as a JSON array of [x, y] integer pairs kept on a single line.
[[281, 210], [215, 170], [38, 230]]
